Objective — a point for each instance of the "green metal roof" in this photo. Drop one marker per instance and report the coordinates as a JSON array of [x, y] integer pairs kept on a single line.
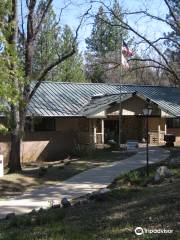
[[100, 103], [79, 99]]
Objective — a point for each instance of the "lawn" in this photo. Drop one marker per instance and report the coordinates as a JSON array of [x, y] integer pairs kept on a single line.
[[132, 202], [34, 176]]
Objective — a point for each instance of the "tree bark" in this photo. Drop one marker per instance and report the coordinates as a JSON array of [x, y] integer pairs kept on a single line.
[[16, 128], [16, 139]]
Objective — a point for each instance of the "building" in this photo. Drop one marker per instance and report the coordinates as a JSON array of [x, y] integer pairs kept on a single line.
[[63, 117]]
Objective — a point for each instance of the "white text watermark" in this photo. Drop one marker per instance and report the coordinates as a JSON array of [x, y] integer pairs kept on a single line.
[[140, 231]]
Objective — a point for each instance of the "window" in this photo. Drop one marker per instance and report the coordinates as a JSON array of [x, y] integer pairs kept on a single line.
[[173, 123], [44, 124]]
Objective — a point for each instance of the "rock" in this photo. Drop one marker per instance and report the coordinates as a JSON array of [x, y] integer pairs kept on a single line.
[[157, 177], [175, 161], [164, 172], [161, 173], [104, 190], [65, 203], [10, 216], [129, 183]]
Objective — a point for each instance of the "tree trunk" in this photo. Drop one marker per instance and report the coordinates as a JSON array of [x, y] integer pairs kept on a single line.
[[15, 153], [16, 139]]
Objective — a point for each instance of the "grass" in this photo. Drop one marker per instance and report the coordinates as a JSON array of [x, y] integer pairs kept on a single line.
[[124, 208], [28, 179]]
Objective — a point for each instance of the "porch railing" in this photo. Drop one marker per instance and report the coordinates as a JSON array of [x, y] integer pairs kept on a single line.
[[156, 137]]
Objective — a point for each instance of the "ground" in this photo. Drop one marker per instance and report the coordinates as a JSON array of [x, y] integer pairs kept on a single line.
[[34, 177], [133, 202]]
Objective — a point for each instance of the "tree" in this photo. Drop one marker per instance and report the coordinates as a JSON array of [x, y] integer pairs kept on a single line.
[[72, 69], [155, 57], [173, 46], [117, 32], [48, 41], [97, 45], [20, 68], [105, 45], [98, 42], [51, 41]]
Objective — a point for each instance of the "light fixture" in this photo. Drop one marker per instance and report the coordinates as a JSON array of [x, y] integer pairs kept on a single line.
[[147, 112]]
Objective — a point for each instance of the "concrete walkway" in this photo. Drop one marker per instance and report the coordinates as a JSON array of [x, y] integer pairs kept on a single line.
[[83, 183]]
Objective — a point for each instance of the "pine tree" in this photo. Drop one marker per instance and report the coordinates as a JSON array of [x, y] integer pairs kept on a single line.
[[98, 41], [104, 45], [52, 41], [71, 70], [48, 40]]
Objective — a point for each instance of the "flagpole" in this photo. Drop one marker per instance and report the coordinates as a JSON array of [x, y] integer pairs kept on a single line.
[[120, 81]]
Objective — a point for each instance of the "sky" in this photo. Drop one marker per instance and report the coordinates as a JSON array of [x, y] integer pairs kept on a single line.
[[151, 29]]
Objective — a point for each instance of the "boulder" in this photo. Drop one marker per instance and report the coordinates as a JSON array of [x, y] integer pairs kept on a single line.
[[175, 161], [164, 172], [104, 190], [65, 203], [157, 177]]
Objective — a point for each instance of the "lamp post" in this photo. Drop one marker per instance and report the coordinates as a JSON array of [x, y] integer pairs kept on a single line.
[[147, 112]]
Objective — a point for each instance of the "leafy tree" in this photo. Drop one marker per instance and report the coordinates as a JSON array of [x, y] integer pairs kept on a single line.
[[19, 68], [51, 42], [117, 32], [98, 46], [98, 42], [155, 57], [47, 42], [104, 45], [72, 69]]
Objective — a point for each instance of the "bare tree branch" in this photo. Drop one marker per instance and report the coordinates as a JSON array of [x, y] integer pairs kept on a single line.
[[42, 17], [59, 60], [172, 13], [61, 11], [128, 27]]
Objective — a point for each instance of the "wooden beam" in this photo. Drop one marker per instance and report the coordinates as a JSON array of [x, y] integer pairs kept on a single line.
[[95, 130], [159, 134], [102, 130]]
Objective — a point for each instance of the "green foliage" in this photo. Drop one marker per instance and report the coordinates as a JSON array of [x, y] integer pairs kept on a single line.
[[3, 129], [72, 69], [98, 41], [10, 68], [47, 40], [104, 45], [52, 42]]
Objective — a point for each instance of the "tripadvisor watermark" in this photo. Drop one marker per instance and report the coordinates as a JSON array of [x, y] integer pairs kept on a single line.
[[140, 231]]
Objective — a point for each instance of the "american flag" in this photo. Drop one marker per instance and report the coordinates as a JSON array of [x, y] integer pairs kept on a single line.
[[126, 51]]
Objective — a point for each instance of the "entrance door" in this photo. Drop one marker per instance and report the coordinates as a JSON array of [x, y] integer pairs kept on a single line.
[[111, 128], [132, 128]]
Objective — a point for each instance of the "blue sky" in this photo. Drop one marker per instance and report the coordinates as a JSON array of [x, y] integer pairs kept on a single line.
[[152, 29]]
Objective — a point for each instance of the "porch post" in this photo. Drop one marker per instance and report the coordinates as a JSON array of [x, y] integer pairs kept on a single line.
[[159, 134], [94, 127], [165, 128], [102, 130]]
